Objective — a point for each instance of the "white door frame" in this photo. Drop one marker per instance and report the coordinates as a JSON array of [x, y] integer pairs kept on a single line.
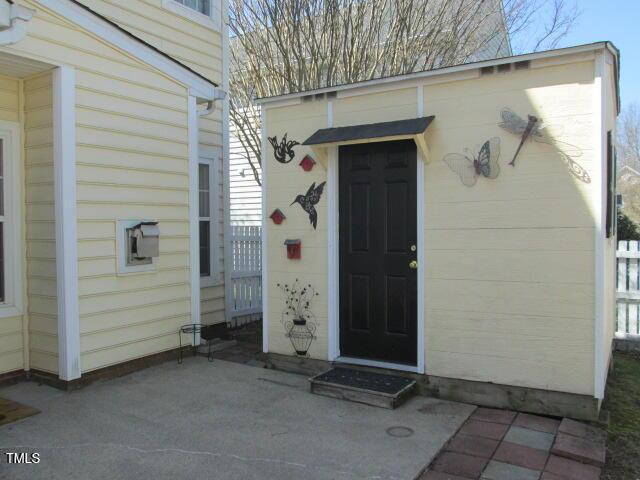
[[333, 204]]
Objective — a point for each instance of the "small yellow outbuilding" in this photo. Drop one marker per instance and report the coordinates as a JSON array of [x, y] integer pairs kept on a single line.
[[457, 225]]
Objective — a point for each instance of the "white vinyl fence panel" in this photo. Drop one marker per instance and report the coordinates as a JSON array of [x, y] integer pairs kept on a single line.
[[628, 288], [246, 271]]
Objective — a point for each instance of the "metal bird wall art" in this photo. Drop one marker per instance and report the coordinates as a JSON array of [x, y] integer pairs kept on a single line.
[[283, 151], [310, 200], [534, 129], [469, 168]]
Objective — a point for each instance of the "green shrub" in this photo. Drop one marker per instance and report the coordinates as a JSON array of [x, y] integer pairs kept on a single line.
[[627, 228]]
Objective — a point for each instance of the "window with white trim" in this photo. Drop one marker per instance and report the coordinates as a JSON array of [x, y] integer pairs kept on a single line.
[[208, 216], [10, 232], [204, 12], [2, 222], [202, 6]]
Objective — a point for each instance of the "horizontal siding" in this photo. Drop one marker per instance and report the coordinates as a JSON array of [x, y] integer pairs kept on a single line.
[[40, 222], [509, 263], [245, 204], [194, 45]]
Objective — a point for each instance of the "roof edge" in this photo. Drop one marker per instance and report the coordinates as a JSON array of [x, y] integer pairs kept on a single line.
[[603, 45]]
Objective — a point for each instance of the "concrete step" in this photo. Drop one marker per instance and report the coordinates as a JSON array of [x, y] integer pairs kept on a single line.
[[216, 345], [371, 388]]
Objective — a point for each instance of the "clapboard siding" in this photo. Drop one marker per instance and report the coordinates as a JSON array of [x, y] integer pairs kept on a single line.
[[11, 343], [195, 45], [245, 204], [509, 263], [40, 223]]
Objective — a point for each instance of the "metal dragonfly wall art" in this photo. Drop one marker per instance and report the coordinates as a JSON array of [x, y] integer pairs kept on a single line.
[[469, 168], [534, 129]]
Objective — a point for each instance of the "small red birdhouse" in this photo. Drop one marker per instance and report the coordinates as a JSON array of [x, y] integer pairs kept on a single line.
[[294, 248], [307, 163], [277, 216]]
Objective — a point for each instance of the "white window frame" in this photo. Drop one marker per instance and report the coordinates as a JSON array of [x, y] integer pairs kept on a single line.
[[213, 161], [13, 251], [213, 20]]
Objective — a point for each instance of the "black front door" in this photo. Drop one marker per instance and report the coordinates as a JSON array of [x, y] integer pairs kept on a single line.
[[378, 240]]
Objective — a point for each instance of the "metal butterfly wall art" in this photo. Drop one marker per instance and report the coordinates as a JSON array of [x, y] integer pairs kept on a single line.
[[283, 151], [469, 168], [534, 129]]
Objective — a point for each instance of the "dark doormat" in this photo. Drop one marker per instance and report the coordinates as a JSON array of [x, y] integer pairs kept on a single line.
[[11, 411], [371, 388], [364, 380]]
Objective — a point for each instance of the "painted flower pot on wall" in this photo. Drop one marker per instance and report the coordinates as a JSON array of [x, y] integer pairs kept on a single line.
[[301, 335]]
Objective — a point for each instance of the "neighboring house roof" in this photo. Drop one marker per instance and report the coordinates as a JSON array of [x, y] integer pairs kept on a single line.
[[78, 13], [460, 68]]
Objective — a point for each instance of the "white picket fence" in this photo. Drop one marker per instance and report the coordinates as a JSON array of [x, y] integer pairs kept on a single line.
[[246, 271], [628, 288]]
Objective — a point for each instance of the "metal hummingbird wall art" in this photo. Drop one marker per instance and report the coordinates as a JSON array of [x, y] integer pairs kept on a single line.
[[469, 167], [283, 150], [310, 200], [534, 129]]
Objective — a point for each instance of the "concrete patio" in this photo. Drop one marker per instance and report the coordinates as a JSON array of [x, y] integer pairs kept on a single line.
[[220, 420]]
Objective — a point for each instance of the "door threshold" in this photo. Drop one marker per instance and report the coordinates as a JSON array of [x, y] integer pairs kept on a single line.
[[377, 364]]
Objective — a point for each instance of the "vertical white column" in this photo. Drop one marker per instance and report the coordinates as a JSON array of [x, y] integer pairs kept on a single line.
[[265, 227], [600, 198], [420, 241], [194, 235], [64, 160]]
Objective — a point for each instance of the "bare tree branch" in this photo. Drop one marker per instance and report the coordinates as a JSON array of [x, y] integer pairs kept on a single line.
[[283, 46]]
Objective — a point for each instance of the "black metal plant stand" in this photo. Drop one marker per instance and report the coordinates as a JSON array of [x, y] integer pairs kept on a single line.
[[206, 333]]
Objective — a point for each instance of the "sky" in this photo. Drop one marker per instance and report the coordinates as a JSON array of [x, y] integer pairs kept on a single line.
[[619, 22]]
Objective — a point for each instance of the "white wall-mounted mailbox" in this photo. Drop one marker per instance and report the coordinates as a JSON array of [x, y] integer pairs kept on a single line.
[[144, 241], [138, 244]]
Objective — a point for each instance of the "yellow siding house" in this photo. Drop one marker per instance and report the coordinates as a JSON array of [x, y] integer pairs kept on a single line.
[[457, 225], [112, 157]]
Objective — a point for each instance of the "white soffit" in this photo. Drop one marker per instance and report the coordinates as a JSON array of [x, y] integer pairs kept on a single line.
[[20, 67]]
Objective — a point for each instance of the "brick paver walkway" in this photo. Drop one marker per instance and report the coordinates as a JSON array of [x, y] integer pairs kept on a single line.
[[505, 445]]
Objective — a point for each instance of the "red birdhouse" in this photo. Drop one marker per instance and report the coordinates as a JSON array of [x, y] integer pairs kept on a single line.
[[307, 163], [277, 216], [294, 248]]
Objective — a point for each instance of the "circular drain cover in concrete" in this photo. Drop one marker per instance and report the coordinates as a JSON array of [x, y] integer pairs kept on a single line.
[[400, 432]]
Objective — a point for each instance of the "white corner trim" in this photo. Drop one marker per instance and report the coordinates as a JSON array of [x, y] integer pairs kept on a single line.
[[99, 27], [265, 227], [64, 161], [18, 17], [420, 226], [194, 214], [333, 237], [13, 214], [599, 180], [213, 22], [226, 169]]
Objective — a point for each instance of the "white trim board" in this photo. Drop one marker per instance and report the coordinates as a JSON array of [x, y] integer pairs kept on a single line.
[[64, 161], [194, 214], [265, 226], [333, 271], [599, 184], [14, 217], [92, 23], [393, 81]]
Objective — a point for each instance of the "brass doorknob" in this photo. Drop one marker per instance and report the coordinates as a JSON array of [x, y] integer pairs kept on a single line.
[[413, 264]]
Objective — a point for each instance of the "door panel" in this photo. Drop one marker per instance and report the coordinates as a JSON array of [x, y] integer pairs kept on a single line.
[[378, 289]]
